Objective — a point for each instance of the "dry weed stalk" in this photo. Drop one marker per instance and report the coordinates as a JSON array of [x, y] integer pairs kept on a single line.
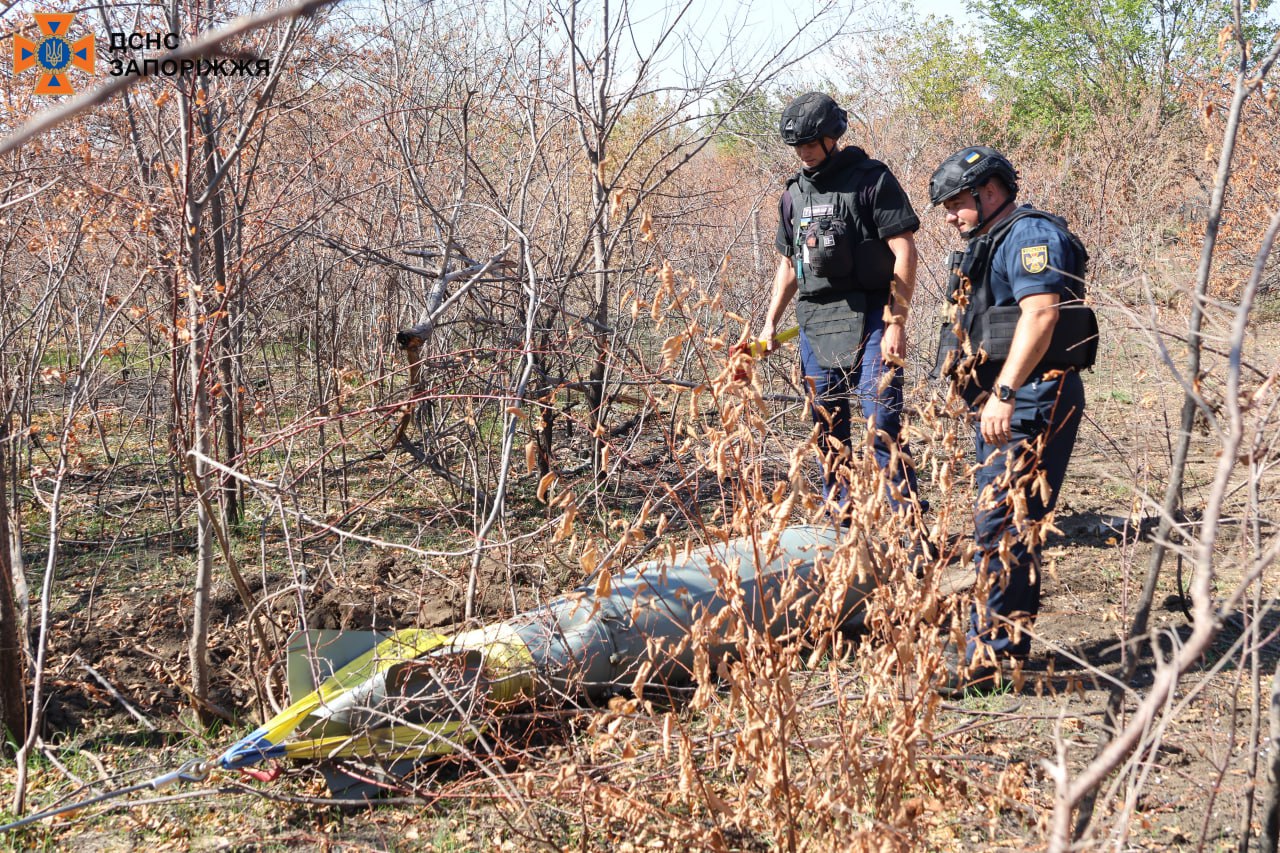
[[1233, 422]]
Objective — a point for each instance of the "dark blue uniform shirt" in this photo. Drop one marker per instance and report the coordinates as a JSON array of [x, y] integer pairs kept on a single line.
[[1032, 259]]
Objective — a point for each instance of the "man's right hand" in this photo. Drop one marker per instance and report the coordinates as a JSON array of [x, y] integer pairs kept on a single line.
[[766, 335]]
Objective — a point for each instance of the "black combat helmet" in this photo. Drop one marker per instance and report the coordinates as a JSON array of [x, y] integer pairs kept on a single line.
[[810, 117], [968, 169]]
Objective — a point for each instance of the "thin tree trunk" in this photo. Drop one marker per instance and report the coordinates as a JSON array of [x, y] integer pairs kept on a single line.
[[200, 441], [13, 546], [757, 263], [231, 487], [42, 640], [599, 368], [1270, 836], [1081, 792], [199, 438], [13, 693], [595, 146], [1132, 651]]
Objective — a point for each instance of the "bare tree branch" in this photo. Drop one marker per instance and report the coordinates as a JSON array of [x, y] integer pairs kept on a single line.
[[207, 45]]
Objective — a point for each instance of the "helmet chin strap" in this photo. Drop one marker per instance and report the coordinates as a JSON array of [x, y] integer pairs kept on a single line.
[[982, 220]]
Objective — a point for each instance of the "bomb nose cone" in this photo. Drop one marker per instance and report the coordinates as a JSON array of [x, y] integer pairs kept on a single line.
[[250, 750]]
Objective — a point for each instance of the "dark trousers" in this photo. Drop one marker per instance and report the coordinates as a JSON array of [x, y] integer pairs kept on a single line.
[[1013, 476], [834, 391]]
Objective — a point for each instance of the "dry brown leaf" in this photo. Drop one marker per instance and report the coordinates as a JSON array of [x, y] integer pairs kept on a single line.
[[589, 559], [646, 227], [671, 349], [544, 484]]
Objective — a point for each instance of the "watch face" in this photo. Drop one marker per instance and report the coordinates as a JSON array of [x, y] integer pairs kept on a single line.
[[1005, 393]]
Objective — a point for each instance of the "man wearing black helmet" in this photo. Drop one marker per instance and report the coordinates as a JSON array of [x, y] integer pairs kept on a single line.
[[846, 249], [1017, 337]]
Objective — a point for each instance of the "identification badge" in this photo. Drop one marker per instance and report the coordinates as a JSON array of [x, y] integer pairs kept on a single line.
[[1035, 259]]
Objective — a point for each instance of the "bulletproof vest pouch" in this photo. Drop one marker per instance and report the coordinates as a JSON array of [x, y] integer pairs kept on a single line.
[[1074, 342], [1075, 337], [833, 325], [948, 354], [836, 247], [994, 333], [826, 247]]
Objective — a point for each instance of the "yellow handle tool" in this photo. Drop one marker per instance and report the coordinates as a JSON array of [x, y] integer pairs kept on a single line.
[[761, 347]]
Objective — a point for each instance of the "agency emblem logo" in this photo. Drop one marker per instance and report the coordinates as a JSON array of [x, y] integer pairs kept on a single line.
[[1035, 258], [55, 54]]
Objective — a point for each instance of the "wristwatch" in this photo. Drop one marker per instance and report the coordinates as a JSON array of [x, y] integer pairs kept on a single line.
[[1004, 393]]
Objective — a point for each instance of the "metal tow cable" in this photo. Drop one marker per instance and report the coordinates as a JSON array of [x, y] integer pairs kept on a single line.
[[195, 770]]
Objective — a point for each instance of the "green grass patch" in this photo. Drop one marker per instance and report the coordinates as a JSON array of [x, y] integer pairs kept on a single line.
[[1120, 396]]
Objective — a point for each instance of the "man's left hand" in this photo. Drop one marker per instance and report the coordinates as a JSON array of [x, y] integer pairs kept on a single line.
[[996, 418], [893, 344]]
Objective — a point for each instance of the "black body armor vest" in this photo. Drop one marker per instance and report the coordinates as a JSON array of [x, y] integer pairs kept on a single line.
[[837, 248], [981, 333]]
